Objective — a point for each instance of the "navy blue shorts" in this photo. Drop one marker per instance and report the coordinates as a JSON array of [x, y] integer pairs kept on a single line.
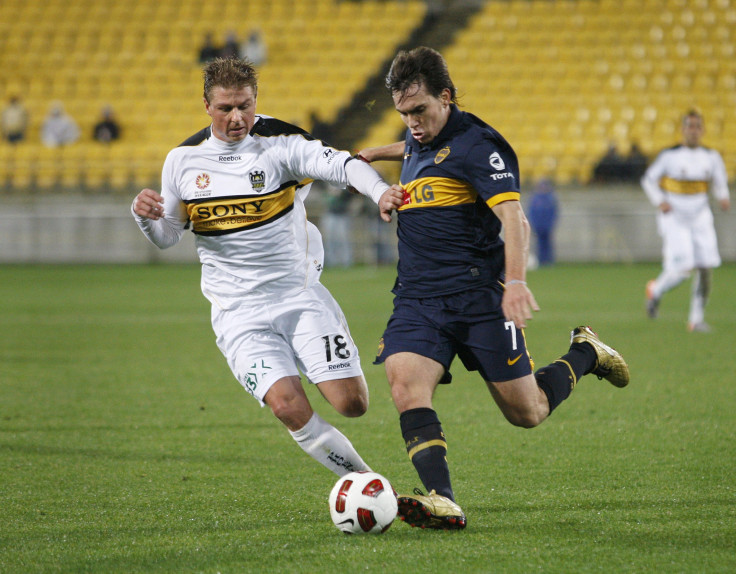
[[469, 325]]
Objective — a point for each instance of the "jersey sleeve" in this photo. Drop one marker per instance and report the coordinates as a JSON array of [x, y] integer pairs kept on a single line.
[[168, 230], [312, 159], [719, 184], [650, 180], [493, 171], [309, 158]]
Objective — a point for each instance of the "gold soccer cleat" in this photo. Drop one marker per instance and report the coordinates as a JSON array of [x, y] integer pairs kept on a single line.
[[430, 511], [610, 365]]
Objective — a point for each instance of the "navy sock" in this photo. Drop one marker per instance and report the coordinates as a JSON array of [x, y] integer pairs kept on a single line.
[[427, 449], [559, 378]]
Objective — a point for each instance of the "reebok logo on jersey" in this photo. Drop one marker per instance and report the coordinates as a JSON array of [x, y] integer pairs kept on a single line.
[[227, 158], [496, 161]]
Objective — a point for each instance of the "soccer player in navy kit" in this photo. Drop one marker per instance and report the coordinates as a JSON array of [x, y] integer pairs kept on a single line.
[[461, 289]]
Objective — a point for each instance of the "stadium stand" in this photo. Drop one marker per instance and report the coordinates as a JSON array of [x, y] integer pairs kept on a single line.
[[140, 56], [561, 79]]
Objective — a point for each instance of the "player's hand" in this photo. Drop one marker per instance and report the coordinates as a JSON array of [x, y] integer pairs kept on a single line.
[[393, 198], [725, 204], [518, 304], [665, 207], [149, 204]]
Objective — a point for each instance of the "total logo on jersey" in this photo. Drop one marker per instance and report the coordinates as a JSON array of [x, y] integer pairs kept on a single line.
[[496, 161], [498, 164]]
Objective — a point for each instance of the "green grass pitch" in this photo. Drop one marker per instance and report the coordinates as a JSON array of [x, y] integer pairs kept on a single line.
[[127, 446]]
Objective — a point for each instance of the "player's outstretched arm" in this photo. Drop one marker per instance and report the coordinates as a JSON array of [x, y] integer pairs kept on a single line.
[[390, 152]]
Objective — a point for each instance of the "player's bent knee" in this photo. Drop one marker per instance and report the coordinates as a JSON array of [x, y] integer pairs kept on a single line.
[[525, 419], [293, 410]]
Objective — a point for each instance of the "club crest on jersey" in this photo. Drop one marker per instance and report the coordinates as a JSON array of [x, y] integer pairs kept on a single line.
[[496, 161], [257, 180], [442, 155], [202, 181]]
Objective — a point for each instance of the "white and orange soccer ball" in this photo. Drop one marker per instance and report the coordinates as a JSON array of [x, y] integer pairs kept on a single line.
[[363, 502]]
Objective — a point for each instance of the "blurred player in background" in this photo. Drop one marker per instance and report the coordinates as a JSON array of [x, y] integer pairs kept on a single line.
[[461, 290], [240, 186], [677, 184]]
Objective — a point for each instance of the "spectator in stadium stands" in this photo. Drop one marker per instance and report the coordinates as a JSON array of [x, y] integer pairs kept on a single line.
[[209, 51], [231, 47], [239, 184], [14, 120], [59, 128], [543, 218], [610, 167], [461, 288], [677, 184], [636, 163], [254, 48], [107, 129]]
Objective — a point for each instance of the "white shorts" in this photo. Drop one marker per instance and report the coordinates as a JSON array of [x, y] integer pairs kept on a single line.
[[688, 240], [267, 341]]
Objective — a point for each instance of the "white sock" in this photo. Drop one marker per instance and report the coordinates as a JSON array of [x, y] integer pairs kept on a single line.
[[328, 446], [668, 280]]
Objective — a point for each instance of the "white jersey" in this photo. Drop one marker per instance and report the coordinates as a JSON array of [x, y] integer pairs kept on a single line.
[[682, 176], [245, 203]]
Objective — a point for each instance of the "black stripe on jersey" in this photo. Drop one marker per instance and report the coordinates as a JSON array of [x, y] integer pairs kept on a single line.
[[271, 127], [198, 138]]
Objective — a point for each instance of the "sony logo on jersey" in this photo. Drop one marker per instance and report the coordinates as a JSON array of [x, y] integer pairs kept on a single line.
[[229, 158], [503, 175], [205, 212]]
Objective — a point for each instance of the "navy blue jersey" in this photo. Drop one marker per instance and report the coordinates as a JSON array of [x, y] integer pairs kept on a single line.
[[448, 235]]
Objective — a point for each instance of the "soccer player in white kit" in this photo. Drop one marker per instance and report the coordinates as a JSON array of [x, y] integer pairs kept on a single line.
[[240, 185], [677, 183]]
